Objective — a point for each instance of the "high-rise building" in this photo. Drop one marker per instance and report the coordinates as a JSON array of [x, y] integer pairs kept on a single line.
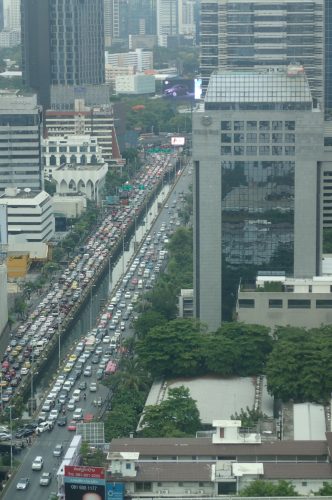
[[20, 138], [12, 15], [167, 20], [253, 33], [142, 17], [62, 45], [115, 20], [257, 151]]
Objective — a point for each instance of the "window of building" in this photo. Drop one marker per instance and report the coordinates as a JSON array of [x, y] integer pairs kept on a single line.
[[143, 486], [52, 149], [264, 137], [290, 138], [238, 125], [252, 137], [277, 150], [289, 125], [246, 303], [226, 137], [290, 150], [323, 304], [304, 483], [63, 149], [238, 138], [251, 150], [264, 150], [226, 125], [277, 125], [226, 150], [275, 303], [299, 304], [239, 150], [251, 125], [180, 483], [276, 137], [128, 466], [264, 125], [73, 149]]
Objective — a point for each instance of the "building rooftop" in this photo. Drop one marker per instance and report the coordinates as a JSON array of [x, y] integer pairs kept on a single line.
[[79, 167], [11, 194], [12, 104], [284, 84], [204, 447], [153, 471], [309, 421], [233, 394]]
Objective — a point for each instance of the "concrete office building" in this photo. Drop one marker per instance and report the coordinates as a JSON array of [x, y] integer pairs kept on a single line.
[[62, 46], [254, 33], [135, 84], [139, 58], [30, 221], [276, 300], [20, 139], [84, 120], [88, 180], [256, 147]]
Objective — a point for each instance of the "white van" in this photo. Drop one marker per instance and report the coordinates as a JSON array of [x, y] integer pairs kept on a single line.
[[140, 284]]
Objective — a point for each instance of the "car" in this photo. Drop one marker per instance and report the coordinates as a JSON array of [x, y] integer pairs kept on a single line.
[[95, 359], [99, 374], [177, 90], [76, 396], [82, 385], [93, 387], [71, 404], [23, 483], [78, 414], [46, 406], [44, 426], [72, 425], [45, 479], [53, 415], [38, 463], [88, 371], [62, 421], [5, 436], [57, 452]]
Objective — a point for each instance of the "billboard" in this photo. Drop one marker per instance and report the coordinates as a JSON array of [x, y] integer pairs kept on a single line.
[[177, 141], [84, 483], [179, 89], [198, 88], [114, 491], [3, 225], [82, 491]]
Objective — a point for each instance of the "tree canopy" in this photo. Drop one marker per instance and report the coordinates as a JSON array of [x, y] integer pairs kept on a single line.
[[261, 488], [300, 365], [175, 416]]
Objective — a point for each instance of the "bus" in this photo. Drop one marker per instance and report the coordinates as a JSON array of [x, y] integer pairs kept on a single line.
[[111, 368]]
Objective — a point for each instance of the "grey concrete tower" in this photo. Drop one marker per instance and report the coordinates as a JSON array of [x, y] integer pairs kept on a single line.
[[62, 44]]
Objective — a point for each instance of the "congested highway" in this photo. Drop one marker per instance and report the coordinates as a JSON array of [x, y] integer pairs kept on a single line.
[[32, 338], [78, 394]]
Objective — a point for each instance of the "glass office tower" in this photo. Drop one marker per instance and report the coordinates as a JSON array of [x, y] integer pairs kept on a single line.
[[251, 33], [256, 151]]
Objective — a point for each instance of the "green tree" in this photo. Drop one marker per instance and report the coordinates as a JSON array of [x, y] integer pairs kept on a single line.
[[299, 366], [50, 187], [92, 456], [238, 348], [325, 490], [175, 416], [173, 349], [146, 321], [249, 417], [261, 488]]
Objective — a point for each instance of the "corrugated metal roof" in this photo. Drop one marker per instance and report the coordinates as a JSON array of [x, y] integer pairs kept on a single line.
[[204, 447]]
